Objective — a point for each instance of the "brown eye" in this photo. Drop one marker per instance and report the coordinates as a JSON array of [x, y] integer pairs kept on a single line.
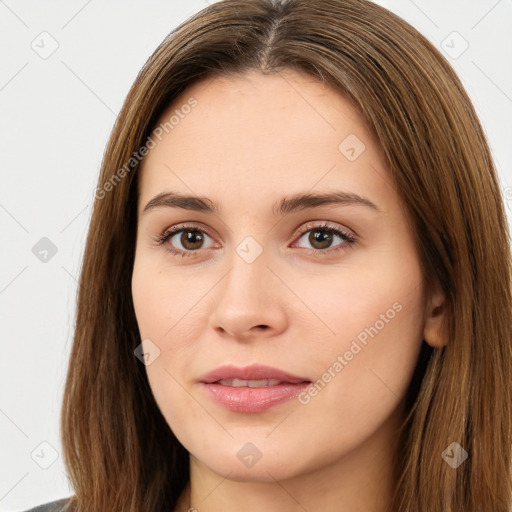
[[320, 239], [191, 239], [184, 240]]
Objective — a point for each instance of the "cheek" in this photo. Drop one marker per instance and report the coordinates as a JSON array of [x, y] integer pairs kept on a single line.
[[376, 303], [365, 364], [163, 300], [167, 310]]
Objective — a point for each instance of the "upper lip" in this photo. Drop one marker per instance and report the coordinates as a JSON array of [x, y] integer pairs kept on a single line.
[[252, 372]]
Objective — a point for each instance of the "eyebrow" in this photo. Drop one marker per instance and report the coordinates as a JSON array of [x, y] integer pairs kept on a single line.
[[283, 207]]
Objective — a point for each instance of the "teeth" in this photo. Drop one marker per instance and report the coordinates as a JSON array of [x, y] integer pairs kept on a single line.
[[238, 383]]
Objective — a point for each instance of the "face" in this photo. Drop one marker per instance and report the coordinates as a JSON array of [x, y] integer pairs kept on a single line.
[[328, 290]]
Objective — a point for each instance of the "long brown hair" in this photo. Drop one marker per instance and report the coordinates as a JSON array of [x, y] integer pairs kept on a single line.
[[119, 451]]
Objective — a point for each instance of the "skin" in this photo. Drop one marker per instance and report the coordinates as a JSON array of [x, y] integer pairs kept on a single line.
[[250, 141]]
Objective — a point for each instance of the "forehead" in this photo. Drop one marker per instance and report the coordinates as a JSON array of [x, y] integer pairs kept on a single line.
[[267, 103], [254, 132]]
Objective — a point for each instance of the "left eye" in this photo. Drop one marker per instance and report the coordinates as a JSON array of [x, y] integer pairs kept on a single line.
[[322, 238]]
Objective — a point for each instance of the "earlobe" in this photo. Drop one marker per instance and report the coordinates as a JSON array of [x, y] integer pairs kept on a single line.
[[434, 333]]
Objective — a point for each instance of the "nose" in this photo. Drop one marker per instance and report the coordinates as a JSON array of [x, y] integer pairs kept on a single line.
[[249, 300]]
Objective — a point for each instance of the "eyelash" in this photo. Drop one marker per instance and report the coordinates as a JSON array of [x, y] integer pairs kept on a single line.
[[348, 239]]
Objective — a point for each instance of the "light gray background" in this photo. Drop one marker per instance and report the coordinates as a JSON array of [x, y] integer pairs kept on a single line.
[[56, 114]]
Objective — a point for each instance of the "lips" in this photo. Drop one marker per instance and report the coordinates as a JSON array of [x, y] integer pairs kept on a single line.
[[251, 389], [253, 372]]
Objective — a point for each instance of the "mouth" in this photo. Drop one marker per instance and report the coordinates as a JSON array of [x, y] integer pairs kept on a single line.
[[253, 388], [260, 375], [240, 383]]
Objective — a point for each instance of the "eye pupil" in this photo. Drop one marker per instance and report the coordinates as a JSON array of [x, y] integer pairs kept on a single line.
[[190, 239], [324, 238]]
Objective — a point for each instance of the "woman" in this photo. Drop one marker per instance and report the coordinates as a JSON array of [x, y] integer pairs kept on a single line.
[[296, 287]]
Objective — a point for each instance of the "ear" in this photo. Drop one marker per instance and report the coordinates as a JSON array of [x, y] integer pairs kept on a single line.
[[435, 314]]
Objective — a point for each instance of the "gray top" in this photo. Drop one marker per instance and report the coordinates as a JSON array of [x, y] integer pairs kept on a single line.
[[52, 506]]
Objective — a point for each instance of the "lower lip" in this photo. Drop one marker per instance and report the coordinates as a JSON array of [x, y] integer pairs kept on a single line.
[[246, 399]]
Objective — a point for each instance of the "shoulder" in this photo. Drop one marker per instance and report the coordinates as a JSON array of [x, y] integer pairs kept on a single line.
[[52, 506]]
